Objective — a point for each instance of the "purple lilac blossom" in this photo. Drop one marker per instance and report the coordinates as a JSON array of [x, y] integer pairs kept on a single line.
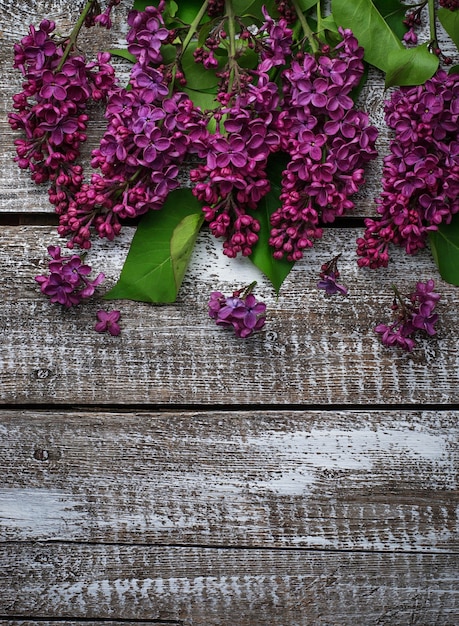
[[328, 141], [51, 113], [108, 321], [421, 173], [241, 311], [67, 282], [414, 315]]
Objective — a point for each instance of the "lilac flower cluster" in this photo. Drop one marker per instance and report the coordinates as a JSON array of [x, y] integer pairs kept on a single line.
[[421, 173], [149, 134], [51, 111], [314, 121], [414, 314], [233, 178], [328, 140], [241, 311], [329, 275], [68, 280]]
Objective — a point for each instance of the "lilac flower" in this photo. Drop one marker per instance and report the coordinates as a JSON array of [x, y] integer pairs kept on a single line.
[[329, 143], [108, 321], [420, 175], [241, 311], [414, 313], [67, 283], [329, 275]]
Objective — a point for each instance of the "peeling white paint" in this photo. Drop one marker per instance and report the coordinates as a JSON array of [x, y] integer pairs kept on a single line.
[[38, 511]]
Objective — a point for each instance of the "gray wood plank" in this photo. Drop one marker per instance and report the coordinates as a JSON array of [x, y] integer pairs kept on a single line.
[[313, 349], [227, 587], [347, 480]]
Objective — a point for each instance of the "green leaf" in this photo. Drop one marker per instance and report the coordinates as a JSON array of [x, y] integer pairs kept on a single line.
[[197, 76], [394, 13], [160, 251], [123, 53], [370, 28], [252, 7], [410, 66], [444, 244], [305, 5], [450, 22], [262, 256], [182, 244]]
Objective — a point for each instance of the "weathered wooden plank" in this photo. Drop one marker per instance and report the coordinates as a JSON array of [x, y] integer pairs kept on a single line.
[[313, 349], [360, 480], [84, 622], [226, 587]]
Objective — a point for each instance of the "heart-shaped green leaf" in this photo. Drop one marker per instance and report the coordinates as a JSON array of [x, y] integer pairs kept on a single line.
[[444, 244], [370, 28], [410, 66], [450, 22], [160, 251]]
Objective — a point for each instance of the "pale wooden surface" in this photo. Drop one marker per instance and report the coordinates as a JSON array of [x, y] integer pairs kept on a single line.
[[177, 475]]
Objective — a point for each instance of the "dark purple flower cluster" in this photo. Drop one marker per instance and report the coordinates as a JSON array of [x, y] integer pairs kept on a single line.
[[328, 140], [150, 131], [421, 173], [233, 178], [452, 5], [67, 282], [51, 110], [241, 311], [329, 275], [414, 314]]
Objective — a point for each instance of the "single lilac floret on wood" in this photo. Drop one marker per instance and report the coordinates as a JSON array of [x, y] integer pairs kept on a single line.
[[240, 311], [414, 314], [108, 321], [329, 275]]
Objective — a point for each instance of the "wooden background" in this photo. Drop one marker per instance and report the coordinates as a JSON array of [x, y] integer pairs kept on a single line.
[[177, 475]]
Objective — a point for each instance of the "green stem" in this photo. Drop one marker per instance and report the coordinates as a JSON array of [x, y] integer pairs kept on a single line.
[[75, 32], [306, 30], [319, 16], [432, 22], [232, 41], [194, 25]]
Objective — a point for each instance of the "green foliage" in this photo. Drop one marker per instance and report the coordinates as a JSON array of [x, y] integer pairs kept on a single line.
[[410, 66], [383, 48], [444, 244], [450, 22], [122, 53], [370, 28], [393, 12], [160, 251], [262, 256]]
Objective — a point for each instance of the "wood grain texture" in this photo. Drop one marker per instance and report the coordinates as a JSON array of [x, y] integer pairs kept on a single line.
[[308, 498], [224, 587], [343, 480], [314, 349]]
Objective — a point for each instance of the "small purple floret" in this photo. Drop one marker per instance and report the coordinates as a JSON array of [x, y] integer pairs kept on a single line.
[[241, 311], [108, 321]]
